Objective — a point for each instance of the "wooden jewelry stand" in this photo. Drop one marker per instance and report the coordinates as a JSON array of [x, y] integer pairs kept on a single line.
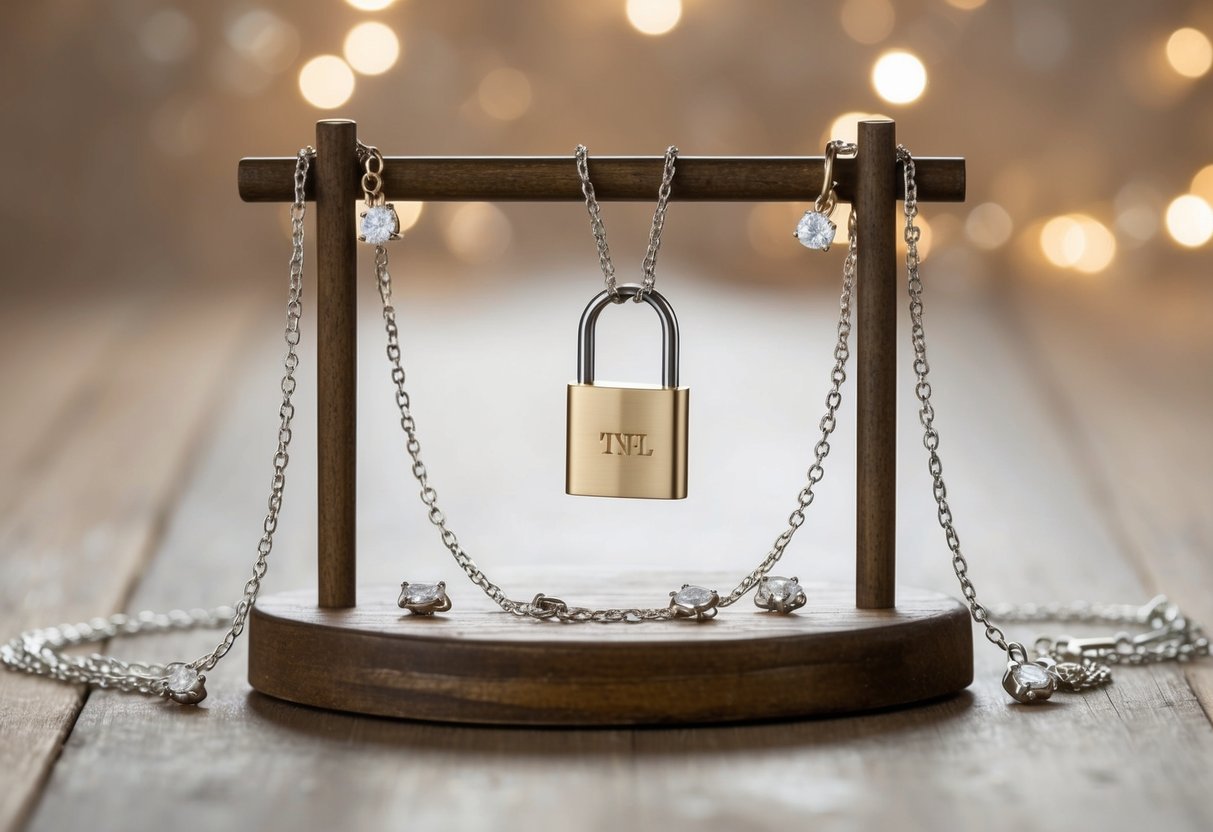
[[841, 653]]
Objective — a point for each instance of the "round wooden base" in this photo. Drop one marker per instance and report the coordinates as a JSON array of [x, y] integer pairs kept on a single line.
[[476, 664]]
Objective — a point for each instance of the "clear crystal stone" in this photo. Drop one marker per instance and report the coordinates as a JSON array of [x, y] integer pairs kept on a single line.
[[181, 678], [815, 230], [693, 596], [775, 590], [379, 224], [1032, 676], [422, 593]]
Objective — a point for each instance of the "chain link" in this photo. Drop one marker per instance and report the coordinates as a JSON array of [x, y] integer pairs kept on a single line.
[[649, 266], [40, 651]]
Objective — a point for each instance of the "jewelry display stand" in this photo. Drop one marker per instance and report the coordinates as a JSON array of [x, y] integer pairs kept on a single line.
[[851, 649]]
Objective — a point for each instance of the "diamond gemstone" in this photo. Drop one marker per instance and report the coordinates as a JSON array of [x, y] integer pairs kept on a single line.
[[379, 224], [1032, 676], [422, 593], [778, 589], [815, 230], [693, 596], [182, 678]]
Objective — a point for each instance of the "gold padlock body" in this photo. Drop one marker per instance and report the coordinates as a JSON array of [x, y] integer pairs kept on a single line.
[[627, 441]]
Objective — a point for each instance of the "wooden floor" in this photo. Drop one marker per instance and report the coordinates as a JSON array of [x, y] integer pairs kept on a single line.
[[138, 436]]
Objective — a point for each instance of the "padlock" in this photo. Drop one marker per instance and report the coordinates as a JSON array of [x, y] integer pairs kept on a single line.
[[627, 440]]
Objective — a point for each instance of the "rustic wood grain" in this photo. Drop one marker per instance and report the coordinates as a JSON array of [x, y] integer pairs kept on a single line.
[[1134, 755], [551, 178], [80, 522], [476, 665]]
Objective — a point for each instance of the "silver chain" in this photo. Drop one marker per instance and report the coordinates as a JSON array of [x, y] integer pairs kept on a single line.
[[40, 651], [1171, 636], [649, 266]]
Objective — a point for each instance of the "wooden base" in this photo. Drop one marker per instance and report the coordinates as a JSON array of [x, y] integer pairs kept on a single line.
[[476, 664]]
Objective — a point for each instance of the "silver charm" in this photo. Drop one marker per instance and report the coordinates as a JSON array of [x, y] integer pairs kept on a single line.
[[781, 595], [694, 602], [424, 599], [379, 224], [1028, 682], [184, 684], [815, 229]]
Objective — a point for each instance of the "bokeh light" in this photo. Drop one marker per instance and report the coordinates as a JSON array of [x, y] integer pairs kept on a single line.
[[867, 21], [478, 232], [408, 213], [1202, 184], [1190, 221], [654, 17], [371, 48], [846, 126], [264, 38], [966, 5], [899, 77], [1189, 52], [1079, 242], [504, 93], [326, 82], [167, 36], [370, 5], [988, 226]]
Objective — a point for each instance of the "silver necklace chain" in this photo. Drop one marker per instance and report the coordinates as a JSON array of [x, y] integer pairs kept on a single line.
[[649, 266], [40, 651], [1082, 662], [1169, 635], [545, 606]]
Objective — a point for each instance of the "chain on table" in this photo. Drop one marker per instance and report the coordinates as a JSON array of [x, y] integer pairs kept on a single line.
[[39, 651]]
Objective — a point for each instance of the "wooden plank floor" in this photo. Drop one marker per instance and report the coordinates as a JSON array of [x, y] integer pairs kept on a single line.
[[1079, 462]]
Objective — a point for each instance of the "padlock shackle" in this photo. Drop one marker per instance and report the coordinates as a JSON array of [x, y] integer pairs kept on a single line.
[[589, 323]]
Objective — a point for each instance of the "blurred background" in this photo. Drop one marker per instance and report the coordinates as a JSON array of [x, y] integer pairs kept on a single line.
[[1087, 126]]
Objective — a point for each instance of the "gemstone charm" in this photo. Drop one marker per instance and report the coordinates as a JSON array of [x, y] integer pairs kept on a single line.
[[815, 231], [782, 595], [379, 224], [184, 684], [694, 602], [424, 599], [1029, 682]]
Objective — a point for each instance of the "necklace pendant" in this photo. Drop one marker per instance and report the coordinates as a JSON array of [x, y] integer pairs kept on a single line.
[[815, 230], [1029, 682], [424, 599], [183, 684], [781, 595], [694, 602], [379, 224]]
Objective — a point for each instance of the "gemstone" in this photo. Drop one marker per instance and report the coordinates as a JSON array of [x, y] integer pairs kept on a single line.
[[1032, 676], [422, 593], [693, 596], [182, 678], [777, 590], [815, 230], [379, 224]]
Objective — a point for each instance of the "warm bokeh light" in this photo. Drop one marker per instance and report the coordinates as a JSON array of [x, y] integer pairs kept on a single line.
[[504, 93], [846, 126], [408, 213], [1079, 242], [264, 38], [1202, 184], [326, 82], [1189, 52], [371, 48], [867, 21], [967, 5], [1190, 221], [654, 17], [478, 232], [899, 77], [370, 5], [167, 36], [988, 226]]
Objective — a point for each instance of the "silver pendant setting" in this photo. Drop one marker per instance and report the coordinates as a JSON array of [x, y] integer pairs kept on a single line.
[[781, 595], [379, 224], [1029, 682], [423, 599], [184, 684], [694, 602]]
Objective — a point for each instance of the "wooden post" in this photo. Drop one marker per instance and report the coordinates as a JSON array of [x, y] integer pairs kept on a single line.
[[336, 358], [876, 367]]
